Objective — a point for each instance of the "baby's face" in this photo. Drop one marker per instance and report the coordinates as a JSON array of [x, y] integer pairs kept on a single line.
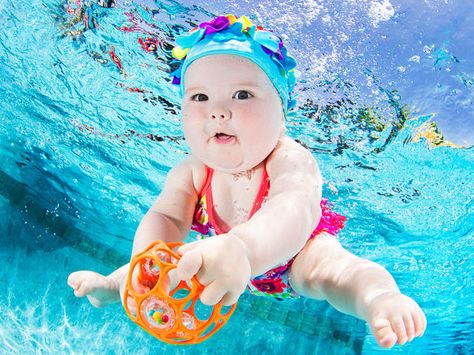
[[232, 114]]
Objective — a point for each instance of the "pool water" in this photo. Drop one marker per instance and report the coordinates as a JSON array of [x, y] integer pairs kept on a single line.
[[385, 106]]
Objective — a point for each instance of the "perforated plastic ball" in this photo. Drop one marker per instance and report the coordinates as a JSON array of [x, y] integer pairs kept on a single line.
[[169, 312]]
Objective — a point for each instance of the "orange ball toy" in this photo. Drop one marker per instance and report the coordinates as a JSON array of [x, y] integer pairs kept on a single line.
[[169, 314]]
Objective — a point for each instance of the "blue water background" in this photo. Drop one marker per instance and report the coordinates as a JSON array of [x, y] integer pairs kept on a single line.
[[82, 158]]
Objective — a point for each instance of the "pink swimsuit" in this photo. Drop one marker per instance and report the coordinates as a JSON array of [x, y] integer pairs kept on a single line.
[[273, 283]]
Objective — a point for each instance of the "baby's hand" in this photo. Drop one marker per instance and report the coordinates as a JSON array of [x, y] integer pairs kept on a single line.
[[146, 286], [220, 264], [394, 317]]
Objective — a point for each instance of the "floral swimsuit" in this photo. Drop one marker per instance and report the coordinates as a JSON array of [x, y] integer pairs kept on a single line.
[[273, 283]]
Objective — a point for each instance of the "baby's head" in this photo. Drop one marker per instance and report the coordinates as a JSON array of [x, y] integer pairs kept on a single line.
[[235, 81]]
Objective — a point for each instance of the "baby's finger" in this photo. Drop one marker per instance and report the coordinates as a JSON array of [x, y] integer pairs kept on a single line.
[[72, 280], [185, 248], [230, 298], [82, 290], [137, 285], [173, 280], [189, 265], [212, 294]]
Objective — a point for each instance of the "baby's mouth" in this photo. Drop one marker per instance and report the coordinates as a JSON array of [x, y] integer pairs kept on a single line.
[[224, 138]]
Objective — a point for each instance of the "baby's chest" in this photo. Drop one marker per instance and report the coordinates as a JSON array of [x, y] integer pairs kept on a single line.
[[233, 203]]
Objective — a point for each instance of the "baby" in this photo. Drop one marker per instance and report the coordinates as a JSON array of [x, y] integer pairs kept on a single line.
[[255, 188]]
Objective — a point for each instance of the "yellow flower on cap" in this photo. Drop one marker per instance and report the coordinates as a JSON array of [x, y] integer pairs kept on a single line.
[[232, 19], [246, 23], [179, 53]]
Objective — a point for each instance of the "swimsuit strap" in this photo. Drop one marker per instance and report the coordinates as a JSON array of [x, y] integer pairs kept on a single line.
[[207, 191], [262, 192], [207, 183]]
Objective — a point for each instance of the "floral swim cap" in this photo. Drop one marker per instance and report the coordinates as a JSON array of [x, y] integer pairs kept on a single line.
[[238, 36]]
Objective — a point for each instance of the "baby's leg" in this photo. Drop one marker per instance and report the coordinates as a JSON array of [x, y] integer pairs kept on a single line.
[[325, 270], [100, 290]]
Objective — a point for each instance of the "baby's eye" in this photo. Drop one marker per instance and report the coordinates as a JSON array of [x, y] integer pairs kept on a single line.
[[243, 95], [199, 97]]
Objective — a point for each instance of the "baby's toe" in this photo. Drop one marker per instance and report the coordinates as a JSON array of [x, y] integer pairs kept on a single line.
[[386, 338], [398, 326], [419, 320], [383, 333], [409, 327]]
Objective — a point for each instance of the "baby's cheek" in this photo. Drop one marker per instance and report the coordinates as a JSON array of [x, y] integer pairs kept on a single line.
[[190, 129], [191, 119], [250, 116]]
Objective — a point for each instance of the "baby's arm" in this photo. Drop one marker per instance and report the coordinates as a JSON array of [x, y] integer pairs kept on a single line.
[[280, 229], [170, 217], [276, 232]]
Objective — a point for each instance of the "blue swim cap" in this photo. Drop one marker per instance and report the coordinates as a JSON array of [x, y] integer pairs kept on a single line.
[[229, 35]]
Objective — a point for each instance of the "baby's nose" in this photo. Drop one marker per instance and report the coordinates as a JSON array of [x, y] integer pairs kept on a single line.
[[220, 115]]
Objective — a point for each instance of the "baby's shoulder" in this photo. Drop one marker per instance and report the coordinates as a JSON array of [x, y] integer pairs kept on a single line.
[[196, 171], [288, 151]]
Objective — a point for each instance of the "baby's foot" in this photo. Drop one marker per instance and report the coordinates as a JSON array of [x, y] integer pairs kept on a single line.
[[99, 289], [395, 318]]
